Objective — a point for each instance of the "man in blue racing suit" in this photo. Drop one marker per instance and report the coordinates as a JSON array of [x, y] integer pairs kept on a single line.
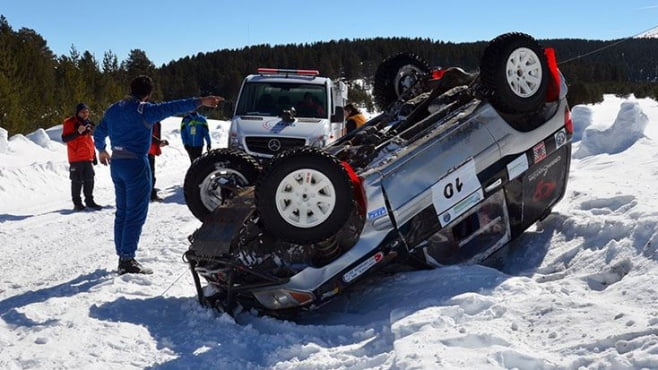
[[128, 123]]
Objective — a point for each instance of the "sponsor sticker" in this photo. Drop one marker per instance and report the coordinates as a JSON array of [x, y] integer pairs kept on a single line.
[[517, 166], [446, 217], [560, 138], [539, 152], [461, 208], [379, 212], [544, 190], [544, 169], [363, 267]]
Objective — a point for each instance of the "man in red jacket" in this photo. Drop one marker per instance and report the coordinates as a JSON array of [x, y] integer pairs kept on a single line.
[[77, 134]]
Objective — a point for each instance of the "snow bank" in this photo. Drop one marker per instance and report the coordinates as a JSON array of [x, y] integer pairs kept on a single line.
[[4, 145], [41, 138], [55, 133], [581, 116], [626, 130]]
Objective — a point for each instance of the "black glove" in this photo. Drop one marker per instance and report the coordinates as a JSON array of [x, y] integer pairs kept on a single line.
[[95, 161], [208, 148], [89, 126]]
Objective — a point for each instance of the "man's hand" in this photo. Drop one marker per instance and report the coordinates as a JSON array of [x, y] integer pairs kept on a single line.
[[208, 148], [164, 143], [104, 157], [82, 129], [211, 101]]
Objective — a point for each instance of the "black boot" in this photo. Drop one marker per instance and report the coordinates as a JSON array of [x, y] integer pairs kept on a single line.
[[88, 190], [91, 204], [131, 266], [76, 186]]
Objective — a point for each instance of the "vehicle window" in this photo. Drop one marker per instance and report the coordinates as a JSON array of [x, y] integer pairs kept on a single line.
[[269, 99], [479, 231]]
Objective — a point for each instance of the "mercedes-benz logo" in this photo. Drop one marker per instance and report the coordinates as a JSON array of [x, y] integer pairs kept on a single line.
[[274, 145]]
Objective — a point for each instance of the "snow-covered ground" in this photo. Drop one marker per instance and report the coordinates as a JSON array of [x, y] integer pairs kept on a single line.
[[577, 291]]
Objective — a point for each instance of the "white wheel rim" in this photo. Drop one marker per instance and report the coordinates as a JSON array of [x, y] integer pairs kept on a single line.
[[524, 72], [211, 186], [305, 198]]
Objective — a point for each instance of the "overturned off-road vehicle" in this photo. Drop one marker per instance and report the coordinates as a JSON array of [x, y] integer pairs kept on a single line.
[[456, 167]]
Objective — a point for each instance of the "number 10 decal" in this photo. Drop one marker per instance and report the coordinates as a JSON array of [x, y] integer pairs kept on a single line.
[[449, 189], [460, 184]]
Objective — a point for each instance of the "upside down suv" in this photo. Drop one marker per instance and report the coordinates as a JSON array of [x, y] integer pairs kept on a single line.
[[456, 167]]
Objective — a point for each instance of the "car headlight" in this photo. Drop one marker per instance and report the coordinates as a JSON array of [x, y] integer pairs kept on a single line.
[[234, 141], [283, 298], [319, 141]]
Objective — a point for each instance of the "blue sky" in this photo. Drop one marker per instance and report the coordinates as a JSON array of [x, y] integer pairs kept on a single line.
[[168, 30]]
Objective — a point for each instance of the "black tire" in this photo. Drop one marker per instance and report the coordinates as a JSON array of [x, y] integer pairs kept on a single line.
[[514, 71], [216, 176], [395, 75], [290, 216]]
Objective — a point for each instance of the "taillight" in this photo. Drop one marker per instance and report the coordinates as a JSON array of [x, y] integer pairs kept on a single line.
[[437, 74], [357, 185], [301, 297], [553, 92], [568, 122]]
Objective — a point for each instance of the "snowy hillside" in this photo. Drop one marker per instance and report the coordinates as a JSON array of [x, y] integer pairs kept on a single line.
[[577, 291], [651, 34]]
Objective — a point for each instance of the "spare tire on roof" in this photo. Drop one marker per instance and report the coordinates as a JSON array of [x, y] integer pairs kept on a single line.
[[514, 72], [395, 75]]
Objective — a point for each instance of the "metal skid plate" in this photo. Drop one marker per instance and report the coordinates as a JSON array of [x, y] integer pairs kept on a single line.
[[214, 237]]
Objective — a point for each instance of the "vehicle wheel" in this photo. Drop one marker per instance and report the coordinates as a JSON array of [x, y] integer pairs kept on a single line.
[[514, 70], [216, 176], [305, 196], [395, 75]]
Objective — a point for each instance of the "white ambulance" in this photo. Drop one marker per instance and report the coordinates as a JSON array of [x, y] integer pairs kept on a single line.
[[282, 108]]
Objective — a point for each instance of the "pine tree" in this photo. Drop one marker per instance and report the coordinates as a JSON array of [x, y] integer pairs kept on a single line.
[[9, 99]]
